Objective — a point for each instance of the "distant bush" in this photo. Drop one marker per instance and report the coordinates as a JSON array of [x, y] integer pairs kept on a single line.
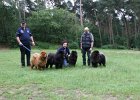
[[54, 25], [42, 45], [116, 46], [46, 45], [13, 43], [8, 25], [73, 45]]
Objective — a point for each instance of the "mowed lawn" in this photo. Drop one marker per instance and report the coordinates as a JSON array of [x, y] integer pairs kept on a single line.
[[119, 80]]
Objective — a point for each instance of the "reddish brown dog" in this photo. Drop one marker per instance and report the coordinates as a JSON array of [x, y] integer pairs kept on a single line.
[[39, 60]]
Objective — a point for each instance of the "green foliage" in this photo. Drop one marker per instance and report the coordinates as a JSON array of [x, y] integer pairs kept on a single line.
[[73, 45], [42, 45], [137, 41], [45, 45], [116, 46], [8, 25], [54, 25], [121, 40]]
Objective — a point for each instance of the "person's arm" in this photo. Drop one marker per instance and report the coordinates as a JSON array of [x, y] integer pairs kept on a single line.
[[68, 51], [91, 45], [17, 37], [33, 43], [92, 41], [18, 40], [31, 37], [81, 41]]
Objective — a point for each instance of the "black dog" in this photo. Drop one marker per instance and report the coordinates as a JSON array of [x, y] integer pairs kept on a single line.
[[73, 58], [58, 59], [97, 58], [55, 59], [50, 60]]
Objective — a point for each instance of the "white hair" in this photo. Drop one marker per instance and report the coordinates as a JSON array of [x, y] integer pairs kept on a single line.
[[86, 29]]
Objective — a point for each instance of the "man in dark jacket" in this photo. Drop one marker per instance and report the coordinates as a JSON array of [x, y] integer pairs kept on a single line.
[[87, 41], [25, 40], [66, 51]]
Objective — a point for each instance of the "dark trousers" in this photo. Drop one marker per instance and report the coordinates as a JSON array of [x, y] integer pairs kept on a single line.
[[84, 51], [26, 52]]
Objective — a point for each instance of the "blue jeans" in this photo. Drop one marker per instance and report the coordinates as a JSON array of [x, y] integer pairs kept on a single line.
[[84, 51], [65, 62]]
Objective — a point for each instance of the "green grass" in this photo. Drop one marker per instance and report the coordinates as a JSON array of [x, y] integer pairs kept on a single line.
[[119, 80]]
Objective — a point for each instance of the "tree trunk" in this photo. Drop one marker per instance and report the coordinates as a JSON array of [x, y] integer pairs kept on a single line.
[[135, 25], [81, 15], [109, 30], [99, 30], [111, 35], [24, 12], [100, 35], [116, 30], [19, 12], [126, 32]]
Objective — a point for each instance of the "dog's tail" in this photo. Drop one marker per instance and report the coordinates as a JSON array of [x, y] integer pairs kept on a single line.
[[35, 55]]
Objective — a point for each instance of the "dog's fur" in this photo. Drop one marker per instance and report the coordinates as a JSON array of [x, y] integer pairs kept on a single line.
[[55, 59], [73, 58], [58, 59], [97, 58], [39, 60], [50, 60]]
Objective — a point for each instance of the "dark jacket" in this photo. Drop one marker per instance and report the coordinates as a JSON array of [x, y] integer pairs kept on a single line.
[[66, 51], [87, 39], [24, 35]]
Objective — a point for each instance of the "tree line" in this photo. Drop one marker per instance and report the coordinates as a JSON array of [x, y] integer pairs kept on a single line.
[[114, 23]]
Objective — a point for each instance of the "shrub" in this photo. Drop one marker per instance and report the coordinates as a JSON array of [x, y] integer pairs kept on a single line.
[[42, 45], [116, 46], [46, 45], [73, 45], [54, 25]]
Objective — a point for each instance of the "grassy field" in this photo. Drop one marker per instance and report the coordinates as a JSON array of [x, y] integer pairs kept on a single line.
[[119, 80]]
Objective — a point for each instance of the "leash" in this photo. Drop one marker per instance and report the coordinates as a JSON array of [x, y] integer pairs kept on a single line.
[[26, 48], [30, 49]]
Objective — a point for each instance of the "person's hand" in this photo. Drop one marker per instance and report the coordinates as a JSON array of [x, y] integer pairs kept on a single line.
[[90, 49], [33, 43], [20, 44]]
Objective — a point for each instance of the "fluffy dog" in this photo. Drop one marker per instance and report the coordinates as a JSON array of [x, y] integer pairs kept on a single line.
[[50, 60], [58, 59], [55, 59], [97, 58], [39, 60], [73, 58]]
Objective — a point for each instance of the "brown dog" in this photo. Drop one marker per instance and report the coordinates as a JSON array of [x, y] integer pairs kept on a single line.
[[39, 60]]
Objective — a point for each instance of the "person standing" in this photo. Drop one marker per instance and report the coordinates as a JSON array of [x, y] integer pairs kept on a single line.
[[25, 40], [87, 41]]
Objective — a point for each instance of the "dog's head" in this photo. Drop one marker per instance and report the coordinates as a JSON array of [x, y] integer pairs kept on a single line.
[[74, 53], [43, 55], [61, 53], [95, 56]]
